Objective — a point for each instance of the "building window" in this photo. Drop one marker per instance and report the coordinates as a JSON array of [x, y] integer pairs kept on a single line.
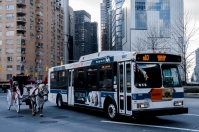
[[21, 59], [10, 16], [9, 0], [0, 34], [9, 67], [31, 27], [20, 67], [9, 50], [9, 59], [32, 35], [0, 24], [9, 76], [9, 24], [31, 18], [40, 37], [21, 50], [31, 10], [31, 2], [10, 33], [0, 42], [0, 7], [0, 17], [9, 7], [10, 41], [0, 51]]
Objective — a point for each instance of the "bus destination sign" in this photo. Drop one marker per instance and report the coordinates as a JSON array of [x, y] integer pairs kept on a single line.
[[158, 58]]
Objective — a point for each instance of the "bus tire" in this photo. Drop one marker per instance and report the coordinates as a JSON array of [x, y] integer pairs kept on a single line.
[[111, 110], [59, 101]]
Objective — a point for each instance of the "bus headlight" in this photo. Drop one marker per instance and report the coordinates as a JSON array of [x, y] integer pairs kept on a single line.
[[143, 105], [178, 103]]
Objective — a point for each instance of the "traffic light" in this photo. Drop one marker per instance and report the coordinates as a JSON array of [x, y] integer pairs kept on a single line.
[[1, 68], [26, 72], [46, 68]]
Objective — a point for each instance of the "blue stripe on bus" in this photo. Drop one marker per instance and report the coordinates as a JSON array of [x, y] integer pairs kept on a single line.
[[142, 96], [59, 91], [178, 95], [105, 94]]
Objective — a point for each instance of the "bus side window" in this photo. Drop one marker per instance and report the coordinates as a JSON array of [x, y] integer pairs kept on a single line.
[[53, 80], [91, 78], [106, 77], [80, 78]]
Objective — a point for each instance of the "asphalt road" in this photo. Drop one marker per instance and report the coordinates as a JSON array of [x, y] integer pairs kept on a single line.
[[74, 120]]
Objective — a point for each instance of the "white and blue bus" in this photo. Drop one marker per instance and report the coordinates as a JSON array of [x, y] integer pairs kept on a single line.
[[134, 84]]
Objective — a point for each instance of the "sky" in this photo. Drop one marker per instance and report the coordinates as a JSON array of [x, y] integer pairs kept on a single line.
[[93, 7]]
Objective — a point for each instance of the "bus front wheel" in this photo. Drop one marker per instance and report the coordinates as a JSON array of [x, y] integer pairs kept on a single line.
[[111, 110], [59, 101]]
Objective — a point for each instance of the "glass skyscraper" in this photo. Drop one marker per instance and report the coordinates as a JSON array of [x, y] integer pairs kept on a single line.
[[147, 24], [116, 27]]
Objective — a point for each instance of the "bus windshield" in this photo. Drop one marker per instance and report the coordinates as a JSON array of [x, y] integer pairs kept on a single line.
[[171, 76], [147, 75]]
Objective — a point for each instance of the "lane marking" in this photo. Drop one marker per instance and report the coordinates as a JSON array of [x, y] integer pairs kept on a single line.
[[152, 126], [190, 114]]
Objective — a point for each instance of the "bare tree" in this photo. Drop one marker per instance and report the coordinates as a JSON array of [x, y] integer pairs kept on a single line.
[[182, 34], [151, 39]]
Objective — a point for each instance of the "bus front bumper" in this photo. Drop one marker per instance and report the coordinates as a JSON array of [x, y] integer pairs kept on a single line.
[[159, 112]]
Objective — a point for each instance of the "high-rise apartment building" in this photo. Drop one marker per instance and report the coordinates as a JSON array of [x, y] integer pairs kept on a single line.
[[105, 12], [31, 37]]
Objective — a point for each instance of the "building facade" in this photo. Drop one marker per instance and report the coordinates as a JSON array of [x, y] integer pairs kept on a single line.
[[105, 24], [31, 37], [148, 25], [116, 17], [82, 33], [195, 75], [71, 42], [94, 37]]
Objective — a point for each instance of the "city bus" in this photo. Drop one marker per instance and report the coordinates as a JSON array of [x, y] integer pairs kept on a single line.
[[136, 84]]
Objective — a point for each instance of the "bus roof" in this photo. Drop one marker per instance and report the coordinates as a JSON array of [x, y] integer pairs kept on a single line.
[[106, 57], [101, 54]]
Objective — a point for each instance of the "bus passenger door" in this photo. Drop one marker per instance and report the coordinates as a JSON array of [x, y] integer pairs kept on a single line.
[[125, 98], [71, 88], [127, 87], [121, 88]]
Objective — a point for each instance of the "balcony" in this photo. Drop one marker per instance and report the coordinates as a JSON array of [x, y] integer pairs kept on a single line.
[[21, 28], [20, 35], [21, 19], [21, 11], [21, 2]]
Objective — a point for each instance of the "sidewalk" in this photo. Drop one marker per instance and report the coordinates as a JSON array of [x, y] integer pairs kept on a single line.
[[3, 94]]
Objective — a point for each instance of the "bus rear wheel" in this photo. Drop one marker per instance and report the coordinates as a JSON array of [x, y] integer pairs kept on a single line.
[[111, 110], [59, 101]]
